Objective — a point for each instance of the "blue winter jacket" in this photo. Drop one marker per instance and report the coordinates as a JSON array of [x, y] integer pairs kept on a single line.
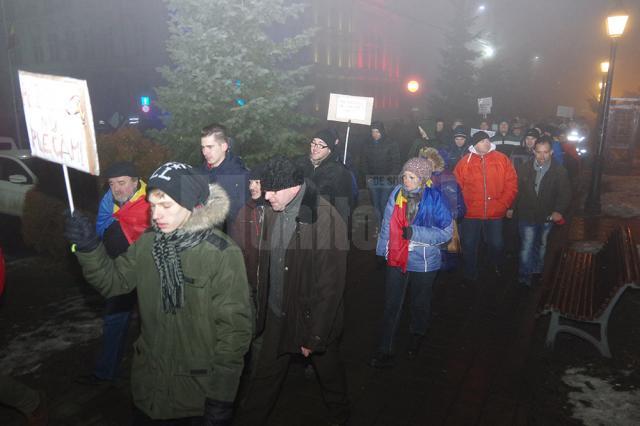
[[436, 229], [233, 177]]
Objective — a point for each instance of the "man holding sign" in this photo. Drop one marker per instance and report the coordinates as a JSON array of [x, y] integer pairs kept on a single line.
[[195, 312]]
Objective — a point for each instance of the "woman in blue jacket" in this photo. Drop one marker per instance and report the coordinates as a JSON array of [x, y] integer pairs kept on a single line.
[[417, 221]]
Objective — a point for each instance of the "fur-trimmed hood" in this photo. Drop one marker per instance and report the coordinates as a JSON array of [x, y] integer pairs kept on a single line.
[[213, 213], [435, 157]]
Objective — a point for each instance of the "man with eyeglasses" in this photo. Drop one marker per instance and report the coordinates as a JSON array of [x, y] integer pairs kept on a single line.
[[331, 177]]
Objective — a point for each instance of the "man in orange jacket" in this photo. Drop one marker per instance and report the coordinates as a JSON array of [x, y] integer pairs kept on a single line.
[[489, 185]]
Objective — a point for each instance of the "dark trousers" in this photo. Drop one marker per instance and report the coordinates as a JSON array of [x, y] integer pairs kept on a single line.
[[141, 419], [269, 369], [420, 285], [472, 232], [114, 334]]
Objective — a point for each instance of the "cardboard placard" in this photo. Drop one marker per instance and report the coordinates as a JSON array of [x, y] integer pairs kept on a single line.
[[59, 120], [345, 108]]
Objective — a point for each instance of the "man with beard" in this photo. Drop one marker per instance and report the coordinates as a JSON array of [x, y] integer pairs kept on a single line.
[[123, 216]]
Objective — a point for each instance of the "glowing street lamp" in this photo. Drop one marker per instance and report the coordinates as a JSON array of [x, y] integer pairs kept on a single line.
[[413, 86], [616, 22]]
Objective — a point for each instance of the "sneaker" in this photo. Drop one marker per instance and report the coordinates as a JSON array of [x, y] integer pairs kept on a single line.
[[414, 346], [40, 416], [381, 360]]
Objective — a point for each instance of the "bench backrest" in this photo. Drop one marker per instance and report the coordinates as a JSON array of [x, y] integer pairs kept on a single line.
[[617, 266], [583, 283]]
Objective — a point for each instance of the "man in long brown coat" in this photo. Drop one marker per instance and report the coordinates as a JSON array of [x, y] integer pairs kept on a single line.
[[302, 267]]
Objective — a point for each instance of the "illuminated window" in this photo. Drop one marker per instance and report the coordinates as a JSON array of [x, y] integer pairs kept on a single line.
[[340, 55], [329, 54], [340, 20], [315, 53]]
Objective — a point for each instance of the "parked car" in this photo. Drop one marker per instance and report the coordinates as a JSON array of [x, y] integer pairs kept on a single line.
[[16, 179], [7, 143]]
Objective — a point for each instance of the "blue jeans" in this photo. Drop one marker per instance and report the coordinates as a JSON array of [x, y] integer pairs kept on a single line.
[[421, 284], [471, 231], [533, 246], [114, 335], [379, 191]]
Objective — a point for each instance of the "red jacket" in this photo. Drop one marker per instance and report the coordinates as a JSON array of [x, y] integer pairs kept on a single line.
[[489, 183]]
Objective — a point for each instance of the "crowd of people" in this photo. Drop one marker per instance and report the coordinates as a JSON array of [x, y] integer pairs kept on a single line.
[[234, 271]]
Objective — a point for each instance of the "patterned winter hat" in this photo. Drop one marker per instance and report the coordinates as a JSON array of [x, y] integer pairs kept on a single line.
[[419, 167], [187, 186]]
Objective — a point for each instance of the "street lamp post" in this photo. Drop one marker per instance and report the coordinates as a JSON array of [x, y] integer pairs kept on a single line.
[[604, 68], [615, 28]]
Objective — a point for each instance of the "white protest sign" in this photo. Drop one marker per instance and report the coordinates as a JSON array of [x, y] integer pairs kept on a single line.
[[345, 108], [484, 105], [565, 111], [489, 132], [59, 120]]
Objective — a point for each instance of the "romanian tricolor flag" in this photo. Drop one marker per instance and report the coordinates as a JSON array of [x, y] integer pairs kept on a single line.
[[398, 247], [134, 215]]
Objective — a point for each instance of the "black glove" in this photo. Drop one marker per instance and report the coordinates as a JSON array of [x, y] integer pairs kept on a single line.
[[80, 231], [407, 232], [217, 413]]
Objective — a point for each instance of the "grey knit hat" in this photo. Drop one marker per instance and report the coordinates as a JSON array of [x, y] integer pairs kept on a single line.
[[419, 167]]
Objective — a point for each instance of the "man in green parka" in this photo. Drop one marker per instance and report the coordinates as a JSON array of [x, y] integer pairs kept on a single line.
[[193, 296]]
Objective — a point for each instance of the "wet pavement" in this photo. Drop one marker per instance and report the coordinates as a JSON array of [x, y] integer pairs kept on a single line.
[[482, 362]]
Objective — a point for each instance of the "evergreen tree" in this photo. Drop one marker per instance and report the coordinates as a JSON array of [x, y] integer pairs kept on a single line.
[[229, 65], [455, 91], [507, 79]]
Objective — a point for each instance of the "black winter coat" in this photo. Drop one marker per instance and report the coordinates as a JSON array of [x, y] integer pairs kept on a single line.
[[381, 157], [315, 274], [554, 194], [333, 182]]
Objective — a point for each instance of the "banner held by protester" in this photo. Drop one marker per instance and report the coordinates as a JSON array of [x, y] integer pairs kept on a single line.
[[59, 122]]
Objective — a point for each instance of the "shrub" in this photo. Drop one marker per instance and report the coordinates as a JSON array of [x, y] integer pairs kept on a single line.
[[129, 144]]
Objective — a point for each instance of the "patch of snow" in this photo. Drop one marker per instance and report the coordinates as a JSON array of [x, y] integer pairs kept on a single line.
[[596, 402], [72, 324]]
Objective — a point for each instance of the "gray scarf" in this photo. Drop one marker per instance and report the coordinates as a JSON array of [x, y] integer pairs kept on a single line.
[[166, 255]]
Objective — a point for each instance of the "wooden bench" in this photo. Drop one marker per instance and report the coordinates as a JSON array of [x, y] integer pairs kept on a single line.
[[585, 287]]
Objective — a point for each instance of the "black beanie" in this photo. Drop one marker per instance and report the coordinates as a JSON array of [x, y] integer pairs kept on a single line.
[[181, 182], [280, 173], [533, 132], [121, 168], [479, 136], [256, 172], [327, 137]]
